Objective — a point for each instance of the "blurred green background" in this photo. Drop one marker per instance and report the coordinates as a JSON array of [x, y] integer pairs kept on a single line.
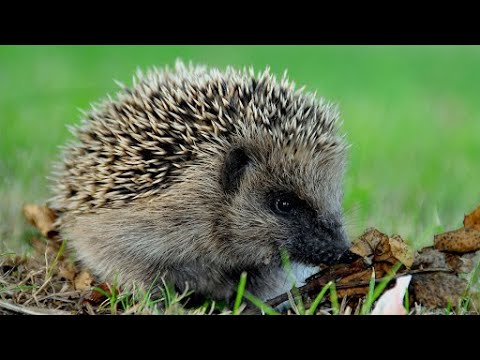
[[412, 114]]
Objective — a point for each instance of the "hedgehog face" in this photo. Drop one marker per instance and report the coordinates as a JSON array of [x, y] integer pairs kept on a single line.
[[284, 198]]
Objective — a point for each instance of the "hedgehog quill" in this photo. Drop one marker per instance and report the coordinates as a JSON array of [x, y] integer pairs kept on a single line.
[[195, 175]]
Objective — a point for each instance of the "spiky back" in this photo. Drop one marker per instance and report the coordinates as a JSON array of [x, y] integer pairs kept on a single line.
[[134, 146]]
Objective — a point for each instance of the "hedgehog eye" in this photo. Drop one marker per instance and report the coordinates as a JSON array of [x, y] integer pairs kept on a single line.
[[284, 204]]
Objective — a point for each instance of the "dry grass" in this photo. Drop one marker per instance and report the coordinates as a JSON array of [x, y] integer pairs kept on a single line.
[[47, 282]]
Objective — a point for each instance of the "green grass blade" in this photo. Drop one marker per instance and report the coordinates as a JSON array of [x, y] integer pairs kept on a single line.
[[386, 280], [406, 301], [369, 299], [260, 304], [240, 292], [449, 308], [60, 253], [334, 299], [319, 298]]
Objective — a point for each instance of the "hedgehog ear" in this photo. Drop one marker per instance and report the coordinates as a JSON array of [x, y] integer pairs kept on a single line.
[[234, 167]]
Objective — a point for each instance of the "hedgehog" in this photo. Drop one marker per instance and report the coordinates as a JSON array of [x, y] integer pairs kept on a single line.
[[195, 175]]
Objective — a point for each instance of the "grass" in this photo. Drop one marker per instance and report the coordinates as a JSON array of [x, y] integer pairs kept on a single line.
[[240, 292], [411, 114], [38, 284], [265, 308], [319, 298]]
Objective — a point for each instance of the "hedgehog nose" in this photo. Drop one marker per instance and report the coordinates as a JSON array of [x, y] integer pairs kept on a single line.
[[339, 242], [347, 257]]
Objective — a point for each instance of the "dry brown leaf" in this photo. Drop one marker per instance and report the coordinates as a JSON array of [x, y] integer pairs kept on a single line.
[[438, 289], [462, 240], [382, 269], [383, 248], [338, 271], [358, 277], [472, 220], [366, 244], [42, 217], [352, 292], [383, 251], [401, 251], [354, 272], [362, 276], [83, 281]]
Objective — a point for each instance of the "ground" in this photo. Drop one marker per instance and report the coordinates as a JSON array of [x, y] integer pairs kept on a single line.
[[411, 114]]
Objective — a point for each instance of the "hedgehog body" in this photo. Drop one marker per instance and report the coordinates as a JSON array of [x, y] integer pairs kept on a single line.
[[196, 175]]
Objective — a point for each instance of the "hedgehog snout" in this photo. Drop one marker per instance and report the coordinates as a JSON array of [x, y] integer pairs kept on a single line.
[[334, 244], [319, 242]]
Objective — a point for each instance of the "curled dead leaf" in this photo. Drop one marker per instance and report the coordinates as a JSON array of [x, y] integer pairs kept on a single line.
[[462, 240], [383, 248], [361, 278], [472, 220], [401, 251], [383, 251], [42, 217], [358, 291], [366, 244]]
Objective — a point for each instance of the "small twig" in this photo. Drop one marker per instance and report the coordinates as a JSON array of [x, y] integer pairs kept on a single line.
[[315, 286], [418, 271], [58, 298], [89, 309], [19, 309], [30, 276], [44, 285]]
